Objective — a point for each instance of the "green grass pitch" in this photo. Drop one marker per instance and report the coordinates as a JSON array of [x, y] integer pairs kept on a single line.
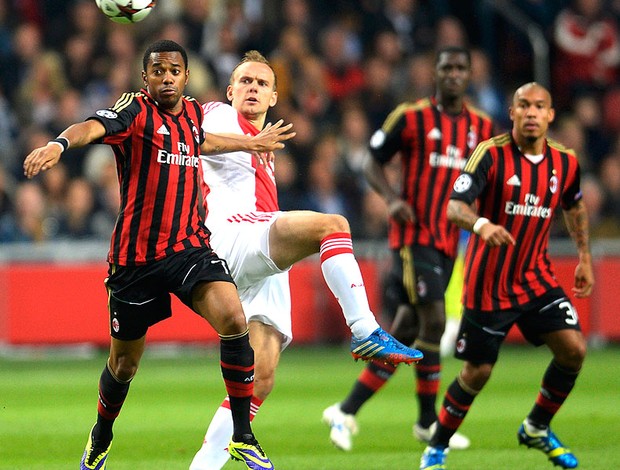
[[47, 406]]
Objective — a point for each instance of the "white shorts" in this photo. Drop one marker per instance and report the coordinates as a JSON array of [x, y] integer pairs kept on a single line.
[[263, 287]]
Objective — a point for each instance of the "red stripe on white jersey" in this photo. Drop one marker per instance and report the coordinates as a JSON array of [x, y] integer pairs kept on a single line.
[[251, 217]]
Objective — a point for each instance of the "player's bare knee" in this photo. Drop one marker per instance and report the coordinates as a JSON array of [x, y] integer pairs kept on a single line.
[[475, 376], [232, 323], [572, 358], [263, 385], [333, 223], [123, 368]]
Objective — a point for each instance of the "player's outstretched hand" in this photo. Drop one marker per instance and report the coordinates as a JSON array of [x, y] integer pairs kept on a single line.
[[41, 159], [272, 137]]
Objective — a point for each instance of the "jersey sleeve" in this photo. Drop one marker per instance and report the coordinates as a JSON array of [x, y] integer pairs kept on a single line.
[[118, 119], [386, 141], [473, 178], [218, 118], [572, 193]]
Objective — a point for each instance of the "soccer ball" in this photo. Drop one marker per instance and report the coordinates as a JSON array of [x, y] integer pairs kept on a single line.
[[126, 11]]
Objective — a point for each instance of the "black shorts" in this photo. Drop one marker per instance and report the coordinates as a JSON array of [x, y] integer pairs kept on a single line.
[[482, 333], [419, 275], [139, 296]]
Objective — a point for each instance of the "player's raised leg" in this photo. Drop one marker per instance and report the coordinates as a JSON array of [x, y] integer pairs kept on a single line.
[[299, 234]]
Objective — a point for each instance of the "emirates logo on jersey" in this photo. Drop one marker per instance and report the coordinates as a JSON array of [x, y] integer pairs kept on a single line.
[[183, 158], [531, 207]]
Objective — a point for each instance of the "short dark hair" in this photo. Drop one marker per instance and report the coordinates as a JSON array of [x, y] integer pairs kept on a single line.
[[164, 45], [453, 50]]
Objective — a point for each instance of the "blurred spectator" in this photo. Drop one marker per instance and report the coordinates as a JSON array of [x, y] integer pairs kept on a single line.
[[100, 171], [225, 55], [290, 196], [587, 50], [568, 130], [374, 217], [588, 112], [287, 62], [450, 32], [610, 179], [324, 193], [8, 134], [54, 183], [298, 13], [301, 148], [419, 79], [202, 77], [594, 197], [69, 109], [343, 72], [311, 93], [76, 221], [412, 23], [28, 222], [6, 191], [611, 110], [353, 140], [195, 17], [483, 89], [377, 96]]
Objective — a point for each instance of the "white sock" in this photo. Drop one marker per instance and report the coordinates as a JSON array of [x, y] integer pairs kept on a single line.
[[213, 454], [344, 278], [534, 430]]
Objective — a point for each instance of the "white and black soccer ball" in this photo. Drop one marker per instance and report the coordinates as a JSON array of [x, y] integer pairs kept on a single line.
[[126, 11]]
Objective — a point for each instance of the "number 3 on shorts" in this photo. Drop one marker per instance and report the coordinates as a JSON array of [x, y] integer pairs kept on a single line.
[[571, 314]]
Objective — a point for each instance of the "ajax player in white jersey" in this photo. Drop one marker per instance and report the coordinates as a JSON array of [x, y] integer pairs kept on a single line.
[[261, 243]]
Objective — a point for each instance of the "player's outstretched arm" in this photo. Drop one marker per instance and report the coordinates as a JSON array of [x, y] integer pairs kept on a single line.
[[398, 209], [271, 138], [463, 215], [576, 219], [76, 135]]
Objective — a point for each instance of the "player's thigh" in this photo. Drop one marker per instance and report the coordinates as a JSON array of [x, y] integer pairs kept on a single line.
[[218, 302], [298, 234]]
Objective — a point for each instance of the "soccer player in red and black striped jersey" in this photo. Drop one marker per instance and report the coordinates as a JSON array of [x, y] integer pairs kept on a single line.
[[434, 137], [160, 245], [518, 181]]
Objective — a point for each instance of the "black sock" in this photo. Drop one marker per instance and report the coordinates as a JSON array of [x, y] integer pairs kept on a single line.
[[237, 364], [370, 380], [112, 394]]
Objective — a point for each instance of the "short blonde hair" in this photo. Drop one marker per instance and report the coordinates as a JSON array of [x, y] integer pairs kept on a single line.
[[254, 56]]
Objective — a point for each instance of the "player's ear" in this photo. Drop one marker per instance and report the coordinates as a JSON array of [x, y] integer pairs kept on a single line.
[[186, 76], [144, 78], [229, 94], [274, 99], [551, 114]]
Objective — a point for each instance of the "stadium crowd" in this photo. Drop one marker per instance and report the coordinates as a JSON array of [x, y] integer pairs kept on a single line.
[[342, 66]]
